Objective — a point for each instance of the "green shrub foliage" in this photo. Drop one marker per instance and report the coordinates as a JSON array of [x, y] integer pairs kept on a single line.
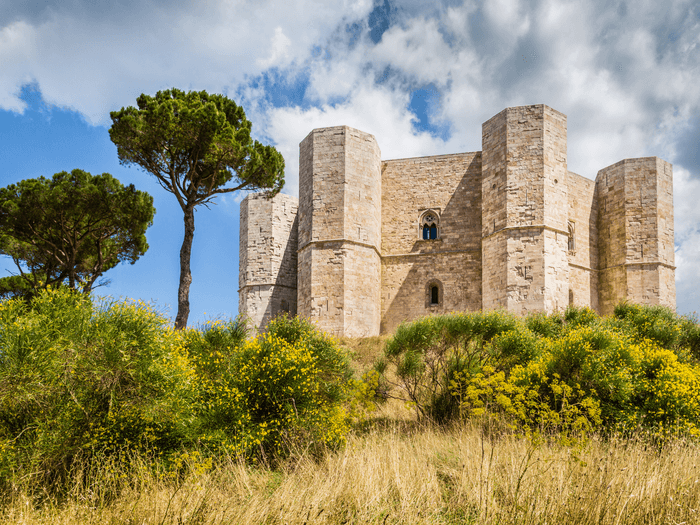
[[76, 379], [265, 395], [82, 380], [569, 372]]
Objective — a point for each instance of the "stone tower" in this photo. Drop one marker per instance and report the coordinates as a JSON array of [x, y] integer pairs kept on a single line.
[[524, 210], [635, 228], [267, 271], [340, 192]]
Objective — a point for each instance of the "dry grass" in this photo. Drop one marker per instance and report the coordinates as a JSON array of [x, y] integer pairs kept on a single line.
[[401, 473]]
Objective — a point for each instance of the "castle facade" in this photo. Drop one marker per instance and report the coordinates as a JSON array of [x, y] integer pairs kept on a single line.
[[371, 243]]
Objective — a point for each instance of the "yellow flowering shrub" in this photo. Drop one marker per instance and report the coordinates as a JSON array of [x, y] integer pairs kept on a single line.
[[557, 408], [264, 395], [79, 379], [569, 372]]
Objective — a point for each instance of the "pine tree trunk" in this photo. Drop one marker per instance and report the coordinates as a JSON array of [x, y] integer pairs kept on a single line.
[[183, 291]]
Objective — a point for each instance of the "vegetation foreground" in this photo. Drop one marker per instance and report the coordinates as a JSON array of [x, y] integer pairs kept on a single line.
[[108, 415], [397, 474]]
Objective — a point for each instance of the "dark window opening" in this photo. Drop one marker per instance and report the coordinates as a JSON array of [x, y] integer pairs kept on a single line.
[[426, 232], [434, 295], [433, 231]]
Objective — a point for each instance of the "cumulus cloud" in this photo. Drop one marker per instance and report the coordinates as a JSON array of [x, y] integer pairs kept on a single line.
[[95, 61], [381, 112], [625, 74]]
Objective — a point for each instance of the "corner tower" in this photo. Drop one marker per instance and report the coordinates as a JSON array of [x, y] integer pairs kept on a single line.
[[339, 269], [267, 269], [635, 229], [524, 210]]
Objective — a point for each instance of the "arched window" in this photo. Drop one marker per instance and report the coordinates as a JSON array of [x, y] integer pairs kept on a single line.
[[572, 238], [429, 225], [433, 294]]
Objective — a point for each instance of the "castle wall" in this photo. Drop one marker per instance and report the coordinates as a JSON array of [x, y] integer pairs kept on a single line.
[[494, 212], [524, 164], [635, 221], [267, 271], [353, 258], [583, 260], [340, 231], [450, 186]]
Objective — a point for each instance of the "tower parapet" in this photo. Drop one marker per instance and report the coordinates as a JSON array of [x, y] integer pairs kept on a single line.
[[267, 271]]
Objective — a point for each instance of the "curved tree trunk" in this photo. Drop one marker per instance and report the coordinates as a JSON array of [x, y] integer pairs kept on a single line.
[[183, 291]]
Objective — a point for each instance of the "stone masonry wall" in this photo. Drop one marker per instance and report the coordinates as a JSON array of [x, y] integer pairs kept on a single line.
[[362, 234], [524, 151], [556, 201], [355, 249], [666, 233], [449, 185], [636, 227], [267, 274], [340, 234], [583, 260], [493, 212], [610, 185]]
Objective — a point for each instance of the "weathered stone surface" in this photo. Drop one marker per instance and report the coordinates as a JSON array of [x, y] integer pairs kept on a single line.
[[635, 222], [524, 187], [340, 193], [267, 270], [514, 229], [449, 187]]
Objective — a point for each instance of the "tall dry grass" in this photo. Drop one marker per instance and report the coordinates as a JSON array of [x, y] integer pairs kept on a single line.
[[398, 472]]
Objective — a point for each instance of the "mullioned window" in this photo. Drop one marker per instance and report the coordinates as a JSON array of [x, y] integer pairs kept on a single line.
[[429, 225]]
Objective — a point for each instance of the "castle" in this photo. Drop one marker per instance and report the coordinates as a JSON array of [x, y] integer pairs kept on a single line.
[[371, 243]]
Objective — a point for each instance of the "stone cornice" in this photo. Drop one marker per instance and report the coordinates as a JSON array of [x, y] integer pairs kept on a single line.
[[342, 241], [277, 285], [529, 227], [639, 263], [420, 254]]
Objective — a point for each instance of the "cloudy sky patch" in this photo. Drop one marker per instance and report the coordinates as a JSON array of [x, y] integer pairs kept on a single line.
[[422, 77]]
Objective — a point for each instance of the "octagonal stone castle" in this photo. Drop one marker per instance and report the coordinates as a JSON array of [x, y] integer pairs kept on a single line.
[[371, 243]]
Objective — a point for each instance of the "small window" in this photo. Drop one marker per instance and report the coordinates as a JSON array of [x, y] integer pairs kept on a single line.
[[433, 294], [429, 225], [572, 238]]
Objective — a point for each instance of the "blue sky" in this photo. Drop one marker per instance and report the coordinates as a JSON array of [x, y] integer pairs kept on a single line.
[[420, 76]]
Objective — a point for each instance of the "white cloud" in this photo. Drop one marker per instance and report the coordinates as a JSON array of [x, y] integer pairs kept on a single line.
[[279, 49], [16, 42], [378, 111], [686, 190], [95, 65]]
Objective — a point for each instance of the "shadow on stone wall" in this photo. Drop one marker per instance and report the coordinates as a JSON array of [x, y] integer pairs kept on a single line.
[[454, 259]]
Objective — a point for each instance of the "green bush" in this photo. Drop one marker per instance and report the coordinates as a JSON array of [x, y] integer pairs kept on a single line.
[[84, 381], [268, 394], [569, 372], [426, 355], [76, 379]]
